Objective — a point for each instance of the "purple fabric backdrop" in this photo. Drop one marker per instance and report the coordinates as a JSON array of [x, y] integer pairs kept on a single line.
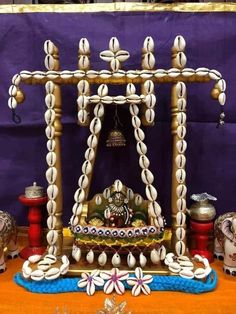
[[211, 42]]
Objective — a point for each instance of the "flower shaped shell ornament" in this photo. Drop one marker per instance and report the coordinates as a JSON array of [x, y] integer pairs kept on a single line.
[[140, 282], [90, 281], [114, 280]]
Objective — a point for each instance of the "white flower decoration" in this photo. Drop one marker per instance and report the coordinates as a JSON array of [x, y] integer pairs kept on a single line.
[[114, 278], [91, 280], [140, 282]]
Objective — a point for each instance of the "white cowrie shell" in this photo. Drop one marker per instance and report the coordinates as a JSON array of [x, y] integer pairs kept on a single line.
[[221, 84], [16, 79], [187, 72], [122, 55], [83, 87], [12, 90], [150, 115], [134, 110], [98, 200], [50, 100], [77, 209], [12, 103], [200, 273], [135, 99], [84, 46], [51, 159], [37, 275], [141, 148], [173, 72], [51, 222], [181, 118], [148, 44], [87, 167], [205, 262], [52, 273], [215, 75], [181, 131], [51, 207], [105, 74], [50, 132], [181, 89], [183, 258], [49, 116], [116, 260], [180, 219], [92, 74], [25, 74], [118, 185], [119, 100], [154, 209], [115, 65], [89, 154], [142, 260], [148, 86], [90, 257], [181, 104], [181, 60], [95, 125], [138, 200], [181, 191], [82, 101], [34, 258], [107, 100], [79, 195], [76, 253], [180, 175], [156, 222], [162, 252], [114, 44], [180, 161], [174, 267], [107, 213], [148, 61], [82, 116], [66, 74], [160, 73], [180, 248], [74, 220], [131, 261], [49, 62], [65, 260], [159, 222], [147, 176], [151, 192], [92, 141], [130, 194], [107, 55], [48, 47], [49, 87], [181, 146], [102, 259], [222, 99], [186, 265], [155, 256], [169, 258], [106, 193], [143, 162], [99, 110], [80, 73], [181, 204], [52, 191], [179, 43], [51, 175], [130, 89], [64, 269], [136, 122], [51, 75], [180, 233], [102, 90], [139, 135], [25, 264], [83, 62], [186, 273], [150, 100], [42, 265], [132, 74], [52, 237], [83, 181], [202, 71], [50, 258]]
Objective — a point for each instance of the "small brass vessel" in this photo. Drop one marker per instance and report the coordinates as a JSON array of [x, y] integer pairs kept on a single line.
[[202, 209]]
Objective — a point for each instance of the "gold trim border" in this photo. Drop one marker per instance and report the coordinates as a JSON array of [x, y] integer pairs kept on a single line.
[[118, 7]]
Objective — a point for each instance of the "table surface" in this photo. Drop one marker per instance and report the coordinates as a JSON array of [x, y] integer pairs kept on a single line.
[[14, 299]]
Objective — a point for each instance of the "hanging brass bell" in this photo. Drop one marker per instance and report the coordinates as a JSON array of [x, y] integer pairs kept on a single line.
[[115, 138]]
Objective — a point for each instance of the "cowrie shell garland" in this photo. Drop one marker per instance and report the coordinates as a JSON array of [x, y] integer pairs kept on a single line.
[[180, 175], [84, 54], [51, 173], [179, 58], [83, 102], [149, 101], [50, 62]]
